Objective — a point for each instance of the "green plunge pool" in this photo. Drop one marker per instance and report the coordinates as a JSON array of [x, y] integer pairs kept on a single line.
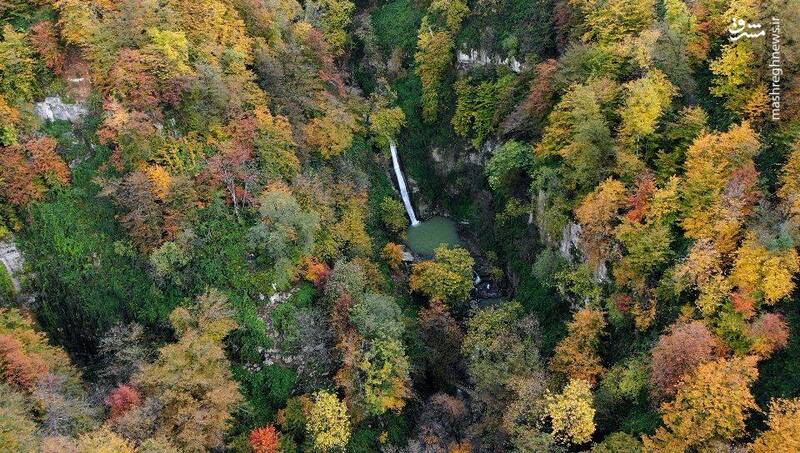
[[426, 236]]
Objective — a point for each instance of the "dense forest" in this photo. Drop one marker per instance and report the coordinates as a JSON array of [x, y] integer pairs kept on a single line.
[[440, 226]]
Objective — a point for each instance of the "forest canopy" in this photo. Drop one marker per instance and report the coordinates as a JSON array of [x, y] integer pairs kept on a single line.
[[440, 226]]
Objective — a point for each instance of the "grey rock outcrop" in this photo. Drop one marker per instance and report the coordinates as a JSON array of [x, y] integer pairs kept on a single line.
[[480, 57], [13, 261], [53, 108]]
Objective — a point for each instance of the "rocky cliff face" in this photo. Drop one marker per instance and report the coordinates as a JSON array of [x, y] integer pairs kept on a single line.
[[571, 248], [480, 57], [53, 108]]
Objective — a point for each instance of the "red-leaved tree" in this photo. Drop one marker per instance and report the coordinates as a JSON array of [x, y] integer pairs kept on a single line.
[[681, 350], [121, 400], [266, 439]]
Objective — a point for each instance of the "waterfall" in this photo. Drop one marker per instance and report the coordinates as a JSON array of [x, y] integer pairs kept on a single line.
[[401, 182]]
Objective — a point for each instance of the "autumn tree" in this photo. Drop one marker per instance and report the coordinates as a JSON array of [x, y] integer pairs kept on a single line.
[[611, 21], [447, 278], [768, 334], [191, 379], [712, 404], [18, 431], [122, 352], [525, 413], [121, 400], [103, 440], [442, 423], [679, 352], [736, 78], [10, 123], [598, 215], [44, 38], [131, 81], [17, 367], [384, 371], [386, 122], [711, 163], [45, 375], [269, 138], [151, 201], [571, 413], [765, 274], [576, 355], [393, 254], [331, 134], [328, 423], [789, 191], [783, 435], [29, 170], [266, 439], [17, 66], [646, 101]]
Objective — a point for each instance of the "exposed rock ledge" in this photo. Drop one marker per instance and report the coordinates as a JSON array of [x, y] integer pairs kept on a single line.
[[53, 108], [13, 261], [479, 57]]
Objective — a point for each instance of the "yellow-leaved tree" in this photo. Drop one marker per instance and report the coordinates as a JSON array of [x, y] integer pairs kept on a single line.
[[571, 413], [328, 423], [783, 435], [789, 191], [712, 404], [576, 355], [762, 273]]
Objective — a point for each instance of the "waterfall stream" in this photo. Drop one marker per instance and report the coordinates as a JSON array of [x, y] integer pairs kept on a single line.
[[401, 182]]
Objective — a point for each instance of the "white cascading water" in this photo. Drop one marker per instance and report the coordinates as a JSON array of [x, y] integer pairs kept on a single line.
[[401, 182]]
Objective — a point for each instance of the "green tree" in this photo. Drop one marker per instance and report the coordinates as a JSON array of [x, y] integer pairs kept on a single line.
[[511, 160], [618, 442], [336, 16], [498, 347], [393, 215], [579, 133], [435, 46], [286, 232], [378, 316]]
